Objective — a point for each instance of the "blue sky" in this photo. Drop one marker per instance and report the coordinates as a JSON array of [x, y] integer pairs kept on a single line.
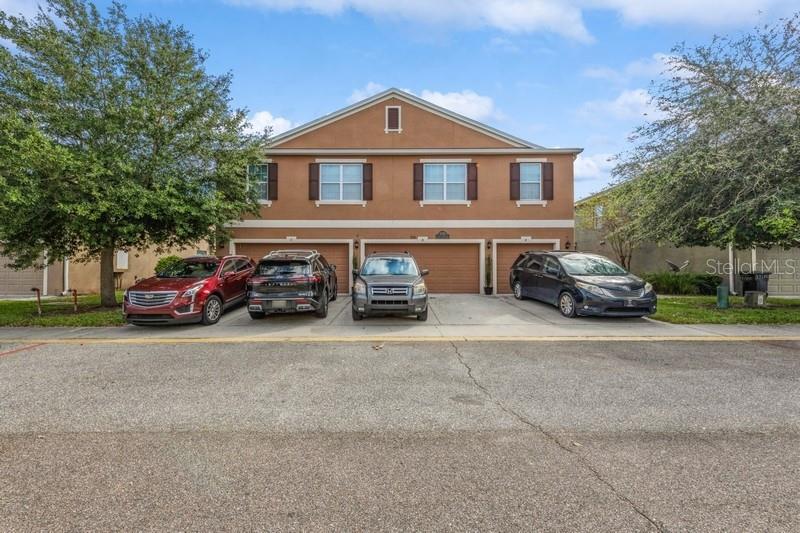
[[561, 73]]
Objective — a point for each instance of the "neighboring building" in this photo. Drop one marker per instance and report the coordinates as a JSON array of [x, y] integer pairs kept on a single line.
[[590, 236], [395, 172], [66, 275]]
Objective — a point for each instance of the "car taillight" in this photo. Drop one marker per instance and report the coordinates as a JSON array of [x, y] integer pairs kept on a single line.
[[307, 279]]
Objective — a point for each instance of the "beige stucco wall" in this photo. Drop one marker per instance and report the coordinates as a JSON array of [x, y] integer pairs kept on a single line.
[[85, 277]]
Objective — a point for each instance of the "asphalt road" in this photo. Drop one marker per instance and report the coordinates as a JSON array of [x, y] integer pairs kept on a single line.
[[600, 436]]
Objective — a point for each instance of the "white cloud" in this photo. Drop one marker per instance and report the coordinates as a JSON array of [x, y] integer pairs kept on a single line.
[[512, 16], [264, 119], [368, 90], [467, 103], [650, 68], [19, 7], [593, 167], [560, 17], [629, 105]]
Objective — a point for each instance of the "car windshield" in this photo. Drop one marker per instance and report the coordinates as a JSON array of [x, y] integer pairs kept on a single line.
[[283, 268], [389, 266], [190, 269], [590, 265]]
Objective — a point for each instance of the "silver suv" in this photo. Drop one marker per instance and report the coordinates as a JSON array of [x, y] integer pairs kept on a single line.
[[390, 283]]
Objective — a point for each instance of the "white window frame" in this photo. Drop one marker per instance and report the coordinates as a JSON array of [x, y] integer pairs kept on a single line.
[[341, 182], [530, 201], [386, 128], [445, 201], [263, 201]]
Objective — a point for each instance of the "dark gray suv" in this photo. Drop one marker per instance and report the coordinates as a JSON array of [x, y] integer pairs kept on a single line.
[[390, 283]]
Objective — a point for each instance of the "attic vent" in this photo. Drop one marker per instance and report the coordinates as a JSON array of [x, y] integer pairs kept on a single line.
[[393, 119]]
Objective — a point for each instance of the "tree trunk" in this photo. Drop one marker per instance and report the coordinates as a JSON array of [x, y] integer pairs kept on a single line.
[[108, 297]]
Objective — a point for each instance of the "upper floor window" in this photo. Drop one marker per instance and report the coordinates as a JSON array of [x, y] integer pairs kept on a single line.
[[393, 122], [530, 181], [258, 178], [341, 182], [445, 182]]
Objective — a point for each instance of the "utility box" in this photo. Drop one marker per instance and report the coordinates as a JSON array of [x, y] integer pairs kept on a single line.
[[755, 281], [755, 299], [723, 297]]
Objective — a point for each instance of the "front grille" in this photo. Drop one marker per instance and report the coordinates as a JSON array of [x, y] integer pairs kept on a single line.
[[151, 299], [389, 291], [389, 302], [625, 292]]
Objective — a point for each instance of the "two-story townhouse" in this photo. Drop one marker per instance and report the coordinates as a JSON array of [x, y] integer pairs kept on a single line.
[[397, 173]]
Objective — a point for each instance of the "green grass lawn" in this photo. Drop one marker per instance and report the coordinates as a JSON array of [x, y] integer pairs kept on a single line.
[[703, 310], [59, 312]]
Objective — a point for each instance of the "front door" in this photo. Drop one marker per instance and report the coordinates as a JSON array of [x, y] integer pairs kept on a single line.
[[227, 281]]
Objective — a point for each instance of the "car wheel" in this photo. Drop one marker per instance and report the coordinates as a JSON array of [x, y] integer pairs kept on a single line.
[[566, 304], [517, 287], [423, 316], [212, 310], [322, 311], [255, 315], [357, 315]]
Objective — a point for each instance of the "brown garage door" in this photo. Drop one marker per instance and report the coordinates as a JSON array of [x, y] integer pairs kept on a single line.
[[506, 255], [454, 268], [334, 253], [19, 282]]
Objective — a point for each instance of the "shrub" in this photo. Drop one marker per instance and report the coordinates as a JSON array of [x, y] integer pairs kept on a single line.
[[167, 262], [683, 282]]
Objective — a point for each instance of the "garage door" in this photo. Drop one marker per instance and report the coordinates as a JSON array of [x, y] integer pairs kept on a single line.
[[506, 255], [18, 282], [335, 253], [454, 268]]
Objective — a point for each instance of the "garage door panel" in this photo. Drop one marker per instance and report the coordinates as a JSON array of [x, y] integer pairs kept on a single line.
[[335, 253], [454, 268], [506, 255]]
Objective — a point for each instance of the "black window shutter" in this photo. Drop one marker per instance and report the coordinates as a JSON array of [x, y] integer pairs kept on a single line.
[[272, 181], [515, 195], [547, 181], [313, 181], [418, 182], [472, 181], [366, 190]]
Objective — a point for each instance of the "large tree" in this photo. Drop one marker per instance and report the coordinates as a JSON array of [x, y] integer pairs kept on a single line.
[[113, 136], [612, 213], [720, 162]]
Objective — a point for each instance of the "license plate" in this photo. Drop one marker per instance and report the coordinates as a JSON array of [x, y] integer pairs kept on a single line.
[[254, 307], [278, 304], [629, 303]]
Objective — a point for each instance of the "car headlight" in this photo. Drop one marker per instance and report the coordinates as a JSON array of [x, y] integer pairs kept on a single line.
[[594, 289], [648, 287], [191, 292], [359, 287], [420, 289]]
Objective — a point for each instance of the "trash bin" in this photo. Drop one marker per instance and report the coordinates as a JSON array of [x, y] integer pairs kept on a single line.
[[755, 281]]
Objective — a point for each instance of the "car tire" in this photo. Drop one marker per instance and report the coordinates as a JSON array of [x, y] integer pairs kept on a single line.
[[357, 316], [517, 289], [212, 310], [255, 315], [423, 316], [566, 305], [322, 311]]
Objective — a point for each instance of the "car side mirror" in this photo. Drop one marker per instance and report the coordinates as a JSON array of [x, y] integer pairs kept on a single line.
[[425, 272], [226, 275]]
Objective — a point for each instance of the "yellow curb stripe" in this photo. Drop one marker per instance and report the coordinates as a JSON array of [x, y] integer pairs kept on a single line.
[[393, 339]]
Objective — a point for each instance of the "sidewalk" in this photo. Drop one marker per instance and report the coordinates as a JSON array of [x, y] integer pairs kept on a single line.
[[452, 318]]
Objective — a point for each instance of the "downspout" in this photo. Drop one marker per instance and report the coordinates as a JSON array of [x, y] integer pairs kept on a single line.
[[65, 276], [731, 286]]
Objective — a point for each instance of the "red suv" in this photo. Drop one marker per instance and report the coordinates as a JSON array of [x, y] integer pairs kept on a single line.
[[198, 289]]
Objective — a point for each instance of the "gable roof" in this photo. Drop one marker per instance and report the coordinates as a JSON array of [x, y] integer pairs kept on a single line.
[[409, 98]]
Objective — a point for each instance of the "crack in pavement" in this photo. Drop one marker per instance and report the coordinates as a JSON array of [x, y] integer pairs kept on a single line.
[[521, 418]]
